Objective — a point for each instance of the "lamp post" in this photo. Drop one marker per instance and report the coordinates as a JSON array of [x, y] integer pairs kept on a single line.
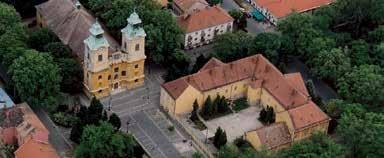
[[128, 122]]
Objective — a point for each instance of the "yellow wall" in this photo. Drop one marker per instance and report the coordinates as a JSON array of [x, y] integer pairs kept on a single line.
[[307, 132], [268, 100], [253, 138], [166, 101], [253, 96], [185, 101], [134, 77]]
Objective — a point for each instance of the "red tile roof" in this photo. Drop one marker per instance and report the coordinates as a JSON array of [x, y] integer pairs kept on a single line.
[[186, 5], [33, 148], [204, 18], [282, 8], [297, 80], [255, 67], [213, 62], [274, 135], [306, 115]]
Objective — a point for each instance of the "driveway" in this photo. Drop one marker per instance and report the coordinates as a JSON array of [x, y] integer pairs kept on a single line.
[[321, 88]]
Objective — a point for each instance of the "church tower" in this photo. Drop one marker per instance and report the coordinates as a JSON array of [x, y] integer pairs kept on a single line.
[[133, 44], [96, 60]]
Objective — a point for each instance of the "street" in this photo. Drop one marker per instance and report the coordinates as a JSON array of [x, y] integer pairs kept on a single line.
[[139, 112], [253, 27]]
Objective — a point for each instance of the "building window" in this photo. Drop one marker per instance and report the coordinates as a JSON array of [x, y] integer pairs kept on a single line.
[[100, 77], [116, 85], [116, 76], [137, 47], [125, 45], [235, 87], [117, 69], [100, 91], [137, 80], [100, 57], [136, 66], [226, 91], [109, 77], [123, 73]]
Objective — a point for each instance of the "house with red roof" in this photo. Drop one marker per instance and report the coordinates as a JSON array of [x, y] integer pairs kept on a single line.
[[275, 10], [201, 26], [20, 125], [255, 78]]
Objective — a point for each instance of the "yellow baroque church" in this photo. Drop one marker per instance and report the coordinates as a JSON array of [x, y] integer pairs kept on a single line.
[[124, 69], [108, 66]]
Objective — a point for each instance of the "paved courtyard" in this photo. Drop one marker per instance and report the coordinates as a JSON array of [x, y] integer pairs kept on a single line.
[[235, 125], [139, 112]]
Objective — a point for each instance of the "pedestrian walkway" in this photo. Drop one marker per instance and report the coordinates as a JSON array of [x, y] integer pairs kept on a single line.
[[151, 137]]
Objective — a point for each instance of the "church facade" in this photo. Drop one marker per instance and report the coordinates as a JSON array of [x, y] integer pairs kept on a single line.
[[104, 71]]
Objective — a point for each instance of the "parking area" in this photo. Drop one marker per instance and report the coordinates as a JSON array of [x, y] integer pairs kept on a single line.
[[235, 125]]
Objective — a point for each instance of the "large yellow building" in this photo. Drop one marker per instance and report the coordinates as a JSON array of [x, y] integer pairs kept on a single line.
[[124, 69], [108, 66], [264, 85]]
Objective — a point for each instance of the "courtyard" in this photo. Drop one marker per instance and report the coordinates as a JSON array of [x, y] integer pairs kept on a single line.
[[235, 124]]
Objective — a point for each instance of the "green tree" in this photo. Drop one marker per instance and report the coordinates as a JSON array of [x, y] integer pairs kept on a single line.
[[40, 38], [359, 52], [377, 35], [331, 65], [378, 54], [318, 45], [57, 50], [199, 63], [207, 106], [37, 79], [232, 46], [220, 138], [72, 74], [239, 18], [179, 65], [114, 120], [364, 84], [12, 53], [362, 132], [104, 141], [319, 145], [194, 116], [95, 111], [268, 44]]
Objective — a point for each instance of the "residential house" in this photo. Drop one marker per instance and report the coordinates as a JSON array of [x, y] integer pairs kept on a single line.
[[263, 85], [181, 7], [202, 26], [108, 67], [20, 125], [276, 10]]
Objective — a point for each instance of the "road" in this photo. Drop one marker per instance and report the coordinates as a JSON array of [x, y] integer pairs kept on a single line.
[[139, 112], [253, 27]]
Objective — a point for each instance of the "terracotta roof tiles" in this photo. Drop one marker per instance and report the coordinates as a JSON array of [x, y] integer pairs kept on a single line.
[[306, 115], [188, 5], [204, 18], [282, 8], [274, 135]]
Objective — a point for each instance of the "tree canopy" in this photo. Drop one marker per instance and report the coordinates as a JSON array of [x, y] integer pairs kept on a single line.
[[104, 141], [36, 78]]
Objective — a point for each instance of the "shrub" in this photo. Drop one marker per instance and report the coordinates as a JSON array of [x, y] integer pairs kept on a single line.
[[64, 119], [240, 104], [171, 128], [220, 138]]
